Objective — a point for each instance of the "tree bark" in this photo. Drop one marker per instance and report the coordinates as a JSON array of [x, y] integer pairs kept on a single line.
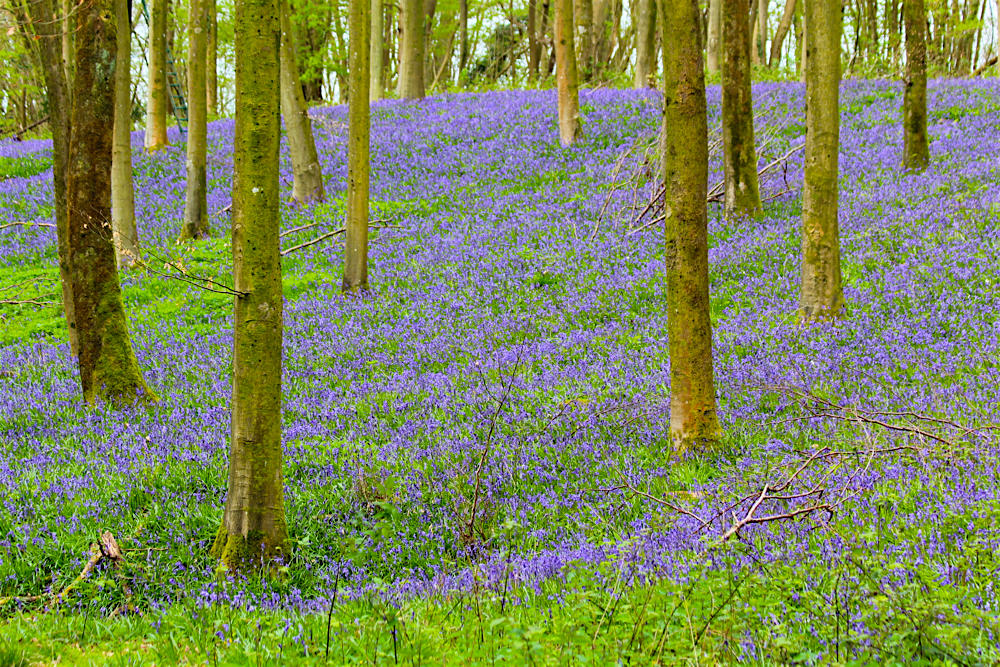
[[211, 59], [713, 49], [156, 101], [411, 50], [196, 199], [67, 22], [583, 17], [694, 423], [356, 237], [761, 45], [307, 175], [742, 196], [126, 235], [822, 295], [645, 44], [916, 154], [254, 532], [311, 39], [892, 28], [376, 64], [567, 81], [463, 36], [787, 16], [108, 367], [534, 47], [47, 24]]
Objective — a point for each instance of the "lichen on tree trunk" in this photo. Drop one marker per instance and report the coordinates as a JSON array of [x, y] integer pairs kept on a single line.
[[694, 423], [253, 530], [822, 295], [307, 175], [108, 366], [742, 193], [916, 153], [567, 79], [356, 239], [196, 192]]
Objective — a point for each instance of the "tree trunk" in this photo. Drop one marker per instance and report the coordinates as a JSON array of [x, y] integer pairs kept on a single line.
[[108, 367], [307, 175], [356, 237], [915, 154], [760, 46], [377, 33], [67, 23], [822, 295], [211, 58], [47, 24], [196, 199], [713, 50], [411, 50], [312, 34], [645, 44], [156, 101], [787, 16], [463, 36], [694, 424], [566, 76], [126, 236], [534, 48], [740, 154], [253, 532], [583, 16], [892, 28]]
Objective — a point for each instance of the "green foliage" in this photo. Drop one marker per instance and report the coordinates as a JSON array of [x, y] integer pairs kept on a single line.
[[27, 165]]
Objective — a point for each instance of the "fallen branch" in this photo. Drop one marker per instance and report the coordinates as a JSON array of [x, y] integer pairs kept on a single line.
[[26, 224], [985, 66], [335, 232]]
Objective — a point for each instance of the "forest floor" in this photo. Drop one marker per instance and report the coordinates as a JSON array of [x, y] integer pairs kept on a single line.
[[477, 466]]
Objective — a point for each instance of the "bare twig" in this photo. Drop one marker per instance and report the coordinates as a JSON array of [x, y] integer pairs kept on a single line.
[[25, 223]]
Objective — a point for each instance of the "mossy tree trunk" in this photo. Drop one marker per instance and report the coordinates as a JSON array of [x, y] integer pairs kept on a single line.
[[307, 175], [156, 100], [108, 367], [47, 27], [377, 36], [740, 154], [583, 18], [567, 79], [694, 423], [196, 199], [822, 295], [356, 241], [253, 532], [410, 81], [211, 57], [645, 43], [126, 235], [916, 153]]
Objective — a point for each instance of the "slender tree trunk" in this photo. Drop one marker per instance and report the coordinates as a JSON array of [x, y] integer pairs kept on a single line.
[[377, 32], [312, 34], [740, 154], [156, 101], [126, 235], [892, 28], [411, 50], [694, 424], [713, 50], [800, 47], [211, 59], [356, 241], [916, 154], [307, 175], [583, 16], [822, 295], [47, 24], [67, 23], [755, 28], [254, 532], [761, 41], [463, 36], [645, 44], [566, 74], [196, 200], [108, 367], [534, 48], [787, 16]]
